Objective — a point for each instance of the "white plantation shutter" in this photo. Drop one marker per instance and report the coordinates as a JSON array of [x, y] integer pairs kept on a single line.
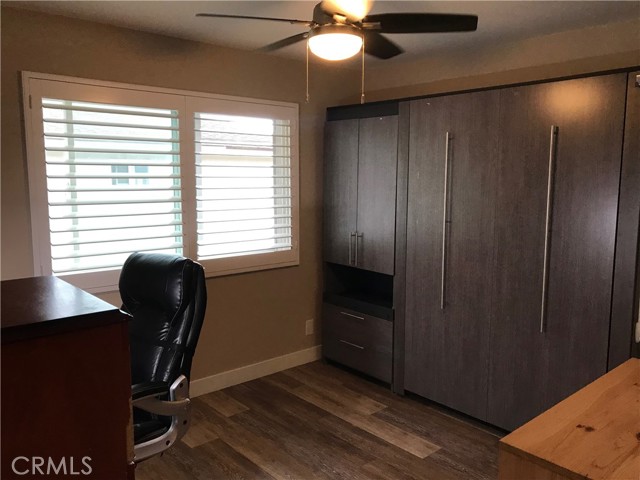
[[243, 187], [113, 183], [116, 168]]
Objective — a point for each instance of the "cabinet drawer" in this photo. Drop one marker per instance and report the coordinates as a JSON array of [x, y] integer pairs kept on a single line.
[[357, 340]]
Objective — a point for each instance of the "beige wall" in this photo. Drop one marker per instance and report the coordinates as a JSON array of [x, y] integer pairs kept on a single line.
[[250, 317], [568, 53]]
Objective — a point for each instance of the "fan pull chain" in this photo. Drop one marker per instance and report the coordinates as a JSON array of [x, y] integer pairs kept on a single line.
[[362, 84], [307, 70]]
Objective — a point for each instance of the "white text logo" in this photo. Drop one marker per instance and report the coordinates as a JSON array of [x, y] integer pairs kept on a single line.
[[49, 466]]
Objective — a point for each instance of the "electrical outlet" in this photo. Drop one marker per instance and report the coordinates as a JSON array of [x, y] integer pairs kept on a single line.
[[308, 327]]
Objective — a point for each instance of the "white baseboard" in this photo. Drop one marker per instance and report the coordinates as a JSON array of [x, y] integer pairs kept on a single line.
[[222, 380]]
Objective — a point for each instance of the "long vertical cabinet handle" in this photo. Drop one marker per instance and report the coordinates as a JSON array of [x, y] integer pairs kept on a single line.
[[358, 237], [351, 237], [547, 228], [445, 204]]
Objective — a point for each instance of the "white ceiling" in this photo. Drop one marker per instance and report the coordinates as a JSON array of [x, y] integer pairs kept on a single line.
[[499, 21]]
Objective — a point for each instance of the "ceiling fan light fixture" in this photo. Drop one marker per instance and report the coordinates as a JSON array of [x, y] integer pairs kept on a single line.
[[335, 42], [354, 10]]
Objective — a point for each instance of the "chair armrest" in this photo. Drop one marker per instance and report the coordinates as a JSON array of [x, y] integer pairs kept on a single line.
[[178, 407], [145, 397], [148, 389]]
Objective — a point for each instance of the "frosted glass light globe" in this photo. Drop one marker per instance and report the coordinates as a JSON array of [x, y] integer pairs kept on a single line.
[[335, 42]]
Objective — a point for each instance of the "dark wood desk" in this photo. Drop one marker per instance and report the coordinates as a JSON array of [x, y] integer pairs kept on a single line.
[[66, 383]]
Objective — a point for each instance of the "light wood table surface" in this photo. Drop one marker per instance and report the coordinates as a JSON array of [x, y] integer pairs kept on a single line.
[[594, 434]]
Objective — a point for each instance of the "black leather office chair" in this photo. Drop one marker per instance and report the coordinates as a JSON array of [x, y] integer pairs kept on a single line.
[[166, 296]]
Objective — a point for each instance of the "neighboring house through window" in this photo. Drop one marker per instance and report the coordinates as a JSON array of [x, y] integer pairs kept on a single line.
[[127, 179]]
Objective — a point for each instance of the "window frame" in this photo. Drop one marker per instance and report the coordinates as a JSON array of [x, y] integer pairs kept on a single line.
[[187, 103]]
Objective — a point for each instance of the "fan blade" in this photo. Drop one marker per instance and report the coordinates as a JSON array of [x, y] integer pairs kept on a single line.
[[287, 20], [379, 46], [421, 22], [284, 42]]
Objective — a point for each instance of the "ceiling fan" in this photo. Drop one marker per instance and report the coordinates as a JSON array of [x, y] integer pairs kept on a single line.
[[340, 28]]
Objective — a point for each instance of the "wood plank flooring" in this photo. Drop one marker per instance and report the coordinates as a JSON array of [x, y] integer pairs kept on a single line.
[[318, 421]]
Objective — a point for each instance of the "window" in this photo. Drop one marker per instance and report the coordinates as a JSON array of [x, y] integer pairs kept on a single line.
[[118, 168], [99, 212], [243, 185]]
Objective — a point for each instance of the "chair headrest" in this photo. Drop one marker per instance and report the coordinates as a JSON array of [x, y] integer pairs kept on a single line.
[[155, 278]]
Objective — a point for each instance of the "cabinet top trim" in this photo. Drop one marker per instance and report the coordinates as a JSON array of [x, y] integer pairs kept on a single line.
[[360, 111], [379, 109]]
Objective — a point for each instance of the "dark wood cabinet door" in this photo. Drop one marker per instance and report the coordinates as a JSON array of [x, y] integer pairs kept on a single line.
[[624, 310], [428, 122], [589, 114], [377, 167], [449, 341], [469, 255], [541, 355], [340, 190], [519, 352]]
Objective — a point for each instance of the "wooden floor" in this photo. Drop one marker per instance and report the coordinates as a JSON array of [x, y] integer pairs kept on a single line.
[[318, 421]]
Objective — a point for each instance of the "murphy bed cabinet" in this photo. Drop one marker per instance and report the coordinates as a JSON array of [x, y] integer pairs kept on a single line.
[[450, 248], [359, 240], [559, 177], [511, 232], [516, 212]]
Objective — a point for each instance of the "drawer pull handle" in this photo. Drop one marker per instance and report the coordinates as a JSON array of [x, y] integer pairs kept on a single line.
[[351, 315], [352, 344]]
